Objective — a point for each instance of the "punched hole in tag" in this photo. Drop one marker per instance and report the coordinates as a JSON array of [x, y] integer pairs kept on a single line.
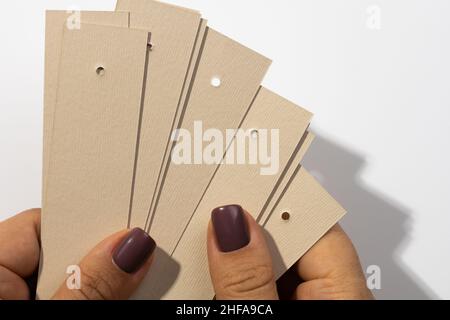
[[216, 82], [285, 216], [254, 133], [100, 71]]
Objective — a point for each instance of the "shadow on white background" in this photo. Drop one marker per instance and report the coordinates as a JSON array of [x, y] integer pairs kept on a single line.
[[378, 226]]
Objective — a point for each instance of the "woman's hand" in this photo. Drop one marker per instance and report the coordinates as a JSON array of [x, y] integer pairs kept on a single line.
[[241, 266], [240, 263], [112, 270]]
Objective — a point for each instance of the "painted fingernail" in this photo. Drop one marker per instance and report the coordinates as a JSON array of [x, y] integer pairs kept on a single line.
[[230, 226], [134, 251]]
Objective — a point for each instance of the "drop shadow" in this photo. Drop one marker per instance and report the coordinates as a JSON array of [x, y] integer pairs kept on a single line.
[[156, 287], [287, 279], [279, 265], [38, 276], [379, 227]]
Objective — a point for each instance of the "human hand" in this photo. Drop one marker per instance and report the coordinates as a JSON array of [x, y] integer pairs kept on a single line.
[[330, 270], [112, 270], [241, 265]]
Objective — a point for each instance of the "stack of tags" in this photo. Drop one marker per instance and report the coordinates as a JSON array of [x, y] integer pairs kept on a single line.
[[134, 100]]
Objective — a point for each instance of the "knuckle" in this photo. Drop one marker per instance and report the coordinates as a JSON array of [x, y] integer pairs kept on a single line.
[[95, 285], [248, 279]]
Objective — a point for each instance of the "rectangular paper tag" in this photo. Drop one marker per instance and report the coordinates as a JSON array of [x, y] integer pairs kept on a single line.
[[220, 107], [93, 145], [274, 124], [56, 22], [177, 35], [311, 213]]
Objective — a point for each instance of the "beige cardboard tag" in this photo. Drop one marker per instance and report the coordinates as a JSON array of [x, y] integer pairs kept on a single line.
[[168, 269], [286, 178], [145, 6], [93, 145], [180, 112], [274, 124], [56, 22], [273, 129], [302, 216], [176, 33], [222, 107], [311, 213]]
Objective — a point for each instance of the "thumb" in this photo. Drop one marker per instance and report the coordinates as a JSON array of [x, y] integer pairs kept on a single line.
[[239, 259], [113, 269]]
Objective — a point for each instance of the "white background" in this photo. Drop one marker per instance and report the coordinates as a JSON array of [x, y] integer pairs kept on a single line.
[[381, 100]]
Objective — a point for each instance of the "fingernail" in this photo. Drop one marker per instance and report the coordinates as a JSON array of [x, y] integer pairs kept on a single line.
[[230, 226], [134, 251]]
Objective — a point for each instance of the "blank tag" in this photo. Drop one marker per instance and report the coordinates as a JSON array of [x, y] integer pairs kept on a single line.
[[56, 22], [234, 184], [93, 145], [288, 174], [303, 215], [176, 40], [241, 71], [179, 115], [146, 6], [282, 125]]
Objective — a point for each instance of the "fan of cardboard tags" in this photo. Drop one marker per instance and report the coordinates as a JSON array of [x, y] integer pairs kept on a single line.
[[153, 119]]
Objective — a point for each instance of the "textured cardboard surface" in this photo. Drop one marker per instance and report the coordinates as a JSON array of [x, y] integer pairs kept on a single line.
[[167, 268], [175, 36], [285, 179], [242, 71], [312, 213], [93, 142], [244, 184], [145, 6], [93, 145], [238, 184], [56, 22], [179, 115]]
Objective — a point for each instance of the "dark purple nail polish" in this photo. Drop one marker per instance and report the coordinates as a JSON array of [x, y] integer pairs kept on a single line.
[[134, 251], [231, 228]]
